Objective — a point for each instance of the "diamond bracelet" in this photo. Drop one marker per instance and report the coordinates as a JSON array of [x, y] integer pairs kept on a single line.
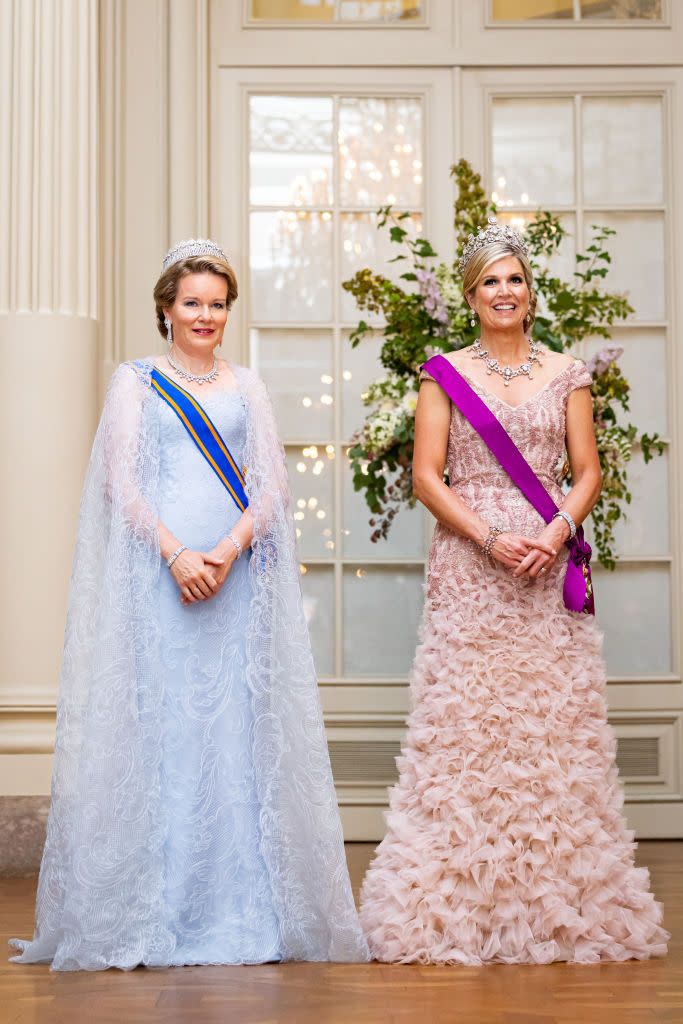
[[487, 546], [569, 521], [178, 551], [238, 547]]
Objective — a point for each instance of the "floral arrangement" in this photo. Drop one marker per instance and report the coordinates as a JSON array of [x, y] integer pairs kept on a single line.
[[424, 312]]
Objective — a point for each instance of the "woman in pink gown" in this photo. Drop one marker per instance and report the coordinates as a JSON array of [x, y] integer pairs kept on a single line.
[[506, 841]]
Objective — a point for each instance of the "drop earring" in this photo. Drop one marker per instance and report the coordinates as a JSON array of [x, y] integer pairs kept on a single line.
[[169, 331], [475, 317]]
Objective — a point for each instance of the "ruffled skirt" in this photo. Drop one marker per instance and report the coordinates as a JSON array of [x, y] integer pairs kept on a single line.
[[506, 841]]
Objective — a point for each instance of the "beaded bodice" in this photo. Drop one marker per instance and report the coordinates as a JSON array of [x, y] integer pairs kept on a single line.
[[537, 427]]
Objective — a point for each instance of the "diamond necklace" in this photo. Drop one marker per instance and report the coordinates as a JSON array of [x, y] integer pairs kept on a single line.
[[196, 378], [508, 372]]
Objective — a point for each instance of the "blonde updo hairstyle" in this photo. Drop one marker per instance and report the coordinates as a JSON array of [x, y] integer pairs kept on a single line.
[[166, 288], [482, 260]]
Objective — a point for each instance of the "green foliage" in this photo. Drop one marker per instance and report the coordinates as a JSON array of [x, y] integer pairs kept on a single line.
[[424, 312]]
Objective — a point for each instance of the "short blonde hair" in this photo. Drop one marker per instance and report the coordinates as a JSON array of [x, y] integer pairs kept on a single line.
[[483, 258], [166, 288]]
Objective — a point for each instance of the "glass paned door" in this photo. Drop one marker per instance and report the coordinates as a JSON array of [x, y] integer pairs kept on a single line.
[[575, 155], [319, 167]]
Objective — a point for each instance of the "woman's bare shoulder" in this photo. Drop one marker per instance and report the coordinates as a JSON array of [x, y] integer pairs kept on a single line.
[[556, 361], [458, 357]]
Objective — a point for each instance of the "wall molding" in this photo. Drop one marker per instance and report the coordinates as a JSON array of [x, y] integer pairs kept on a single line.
[[27, 730]]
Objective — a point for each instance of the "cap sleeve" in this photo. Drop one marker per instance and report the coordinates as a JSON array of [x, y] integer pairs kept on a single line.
[[579, 376], [426, 376]]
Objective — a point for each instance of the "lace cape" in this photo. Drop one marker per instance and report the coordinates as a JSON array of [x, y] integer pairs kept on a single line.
[[101, 890]]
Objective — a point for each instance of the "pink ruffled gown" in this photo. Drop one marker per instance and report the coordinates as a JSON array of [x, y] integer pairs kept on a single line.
[[506, 841]]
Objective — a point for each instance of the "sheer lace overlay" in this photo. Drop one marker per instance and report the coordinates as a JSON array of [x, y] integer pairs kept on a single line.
[[257, 868], [506, 841]]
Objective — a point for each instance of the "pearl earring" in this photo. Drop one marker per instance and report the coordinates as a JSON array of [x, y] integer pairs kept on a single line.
[[169, 330], [475, 317]]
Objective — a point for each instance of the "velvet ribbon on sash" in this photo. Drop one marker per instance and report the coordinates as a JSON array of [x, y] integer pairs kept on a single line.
[[578, 589], [205, 435]]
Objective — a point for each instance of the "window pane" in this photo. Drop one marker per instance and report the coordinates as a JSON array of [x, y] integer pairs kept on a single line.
[[292, 10], [533, 152], [384, 11], [380, 151], [643, 280], [361, 366], [562, 264], [633, 608], [291, 150], [291, 266], [311, 472], [623, 9], [527, 10], [644, 364], [317, 585], [362, 245], [380, 10], [622, 149], [297, 368], [523, 10], [406, 536], [646, 528], [375, 600]]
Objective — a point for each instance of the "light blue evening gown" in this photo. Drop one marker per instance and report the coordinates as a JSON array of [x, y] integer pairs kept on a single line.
[[193, 816], [217, 887]]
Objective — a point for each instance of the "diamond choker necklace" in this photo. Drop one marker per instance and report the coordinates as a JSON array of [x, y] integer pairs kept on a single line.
[[196, 378], [508, 372]]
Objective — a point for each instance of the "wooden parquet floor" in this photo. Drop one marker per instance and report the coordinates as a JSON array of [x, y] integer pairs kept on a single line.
[[630, 993]]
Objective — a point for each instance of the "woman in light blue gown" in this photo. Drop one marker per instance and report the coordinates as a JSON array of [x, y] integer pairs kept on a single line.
[[193, 816]]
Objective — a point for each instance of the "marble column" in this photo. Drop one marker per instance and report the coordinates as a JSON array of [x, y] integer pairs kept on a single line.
[[48, 352]]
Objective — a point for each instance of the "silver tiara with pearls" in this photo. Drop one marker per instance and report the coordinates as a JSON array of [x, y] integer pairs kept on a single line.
[[192, 247], [495, 232]]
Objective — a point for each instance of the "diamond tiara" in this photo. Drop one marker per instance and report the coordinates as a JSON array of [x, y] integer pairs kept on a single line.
[[495, 232], [192, 247]]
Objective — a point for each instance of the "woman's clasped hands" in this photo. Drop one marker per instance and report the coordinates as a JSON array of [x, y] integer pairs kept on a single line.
[[200, 575], [531, 556]]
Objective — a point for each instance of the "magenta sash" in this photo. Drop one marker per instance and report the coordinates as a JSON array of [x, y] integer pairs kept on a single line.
[[578, 588]]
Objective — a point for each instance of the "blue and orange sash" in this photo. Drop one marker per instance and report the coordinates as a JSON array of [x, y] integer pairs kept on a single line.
[[204, 434]]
